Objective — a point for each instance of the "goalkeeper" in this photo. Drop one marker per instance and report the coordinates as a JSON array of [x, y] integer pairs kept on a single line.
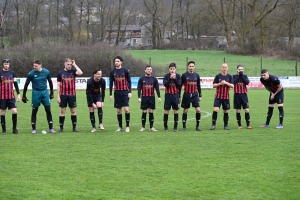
[[38, 77]]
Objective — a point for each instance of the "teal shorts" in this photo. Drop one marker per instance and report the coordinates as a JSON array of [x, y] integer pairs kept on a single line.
[[39, 97]]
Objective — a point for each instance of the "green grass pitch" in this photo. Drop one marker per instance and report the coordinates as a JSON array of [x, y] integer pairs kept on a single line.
[[219, 164]]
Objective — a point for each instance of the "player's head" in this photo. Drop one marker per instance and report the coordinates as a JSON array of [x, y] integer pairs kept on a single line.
[[97, 74], [264, 74], [68, 64], [191, 66], [5, 64], [239, 68], [224, 68], [172, 68], [37, 65], [118, 61], [148, 70]]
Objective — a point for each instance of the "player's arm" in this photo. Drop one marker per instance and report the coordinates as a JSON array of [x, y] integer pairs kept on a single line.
[[245, 79], [178, 81], [199, 87], [156, 86], [139, 87], [216, 82], [230, 83], [111, 82], [78, 70], [128, 81], [88, 91], [28, 79], [103, 88], [166, 80]]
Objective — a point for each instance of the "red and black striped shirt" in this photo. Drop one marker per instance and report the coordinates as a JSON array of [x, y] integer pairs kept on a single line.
[[191, 83], [240, 84], [146, 86], [7, 79], [121, 80], [172, 85], [222, 92], [67, 82]]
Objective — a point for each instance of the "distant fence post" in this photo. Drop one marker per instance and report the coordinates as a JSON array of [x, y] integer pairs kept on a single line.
[[111, 63], [296, 68], [187, 60], [224, 60], [260, 64], [150, 61]]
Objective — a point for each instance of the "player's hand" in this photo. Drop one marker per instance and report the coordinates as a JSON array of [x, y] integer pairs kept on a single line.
[[18, 98], [159, 100], [200, 98], [51, 95], [110, 98], [139, 100], [24, 99], [58, 100], [240, 73], [272, 96], [129, 95]]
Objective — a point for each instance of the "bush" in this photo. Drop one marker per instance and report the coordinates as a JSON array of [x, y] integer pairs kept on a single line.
[[88, 58]]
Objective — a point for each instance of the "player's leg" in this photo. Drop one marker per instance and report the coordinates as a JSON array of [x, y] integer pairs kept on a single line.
[[185, 104], [279, 100], [118, 104], [125, 103], [226, 107], [62, 105], [175, 107], [167, 107], [217, 104], [237, 106], [3, 113], [100, 114], [72, 104], [196, 104]]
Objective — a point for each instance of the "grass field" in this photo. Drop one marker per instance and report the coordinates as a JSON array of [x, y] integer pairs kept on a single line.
[[208, 63], [219, 164]]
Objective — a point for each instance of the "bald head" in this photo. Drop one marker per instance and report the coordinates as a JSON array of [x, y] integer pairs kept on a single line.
[[224, 68]]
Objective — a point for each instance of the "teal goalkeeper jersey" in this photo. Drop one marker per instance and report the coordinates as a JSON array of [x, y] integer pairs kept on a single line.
[[39, 79]]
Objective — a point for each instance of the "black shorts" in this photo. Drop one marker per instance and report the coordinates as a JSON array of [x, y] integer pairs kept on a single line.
[[171, 100], [121, 99], [240, 100], [96, 98], [66, 100], [148, 102], [8, 103], [279, 97], [187, 99], [224, 102]]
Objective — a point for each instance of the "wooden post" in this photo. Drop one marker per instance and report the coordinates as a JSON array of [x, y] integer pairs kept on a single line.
[[224, 60], [150, 61], [260, 64], [296, 68], [186, 62]]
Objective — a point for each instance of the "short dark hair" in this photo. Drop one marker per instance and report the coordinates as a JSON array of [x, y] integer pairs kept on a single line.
[[264, 71], [239, 66], [148, 66], [193, 62], [37, 62], [97, 70], [5, 60], [172, 65], [118, 57]]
